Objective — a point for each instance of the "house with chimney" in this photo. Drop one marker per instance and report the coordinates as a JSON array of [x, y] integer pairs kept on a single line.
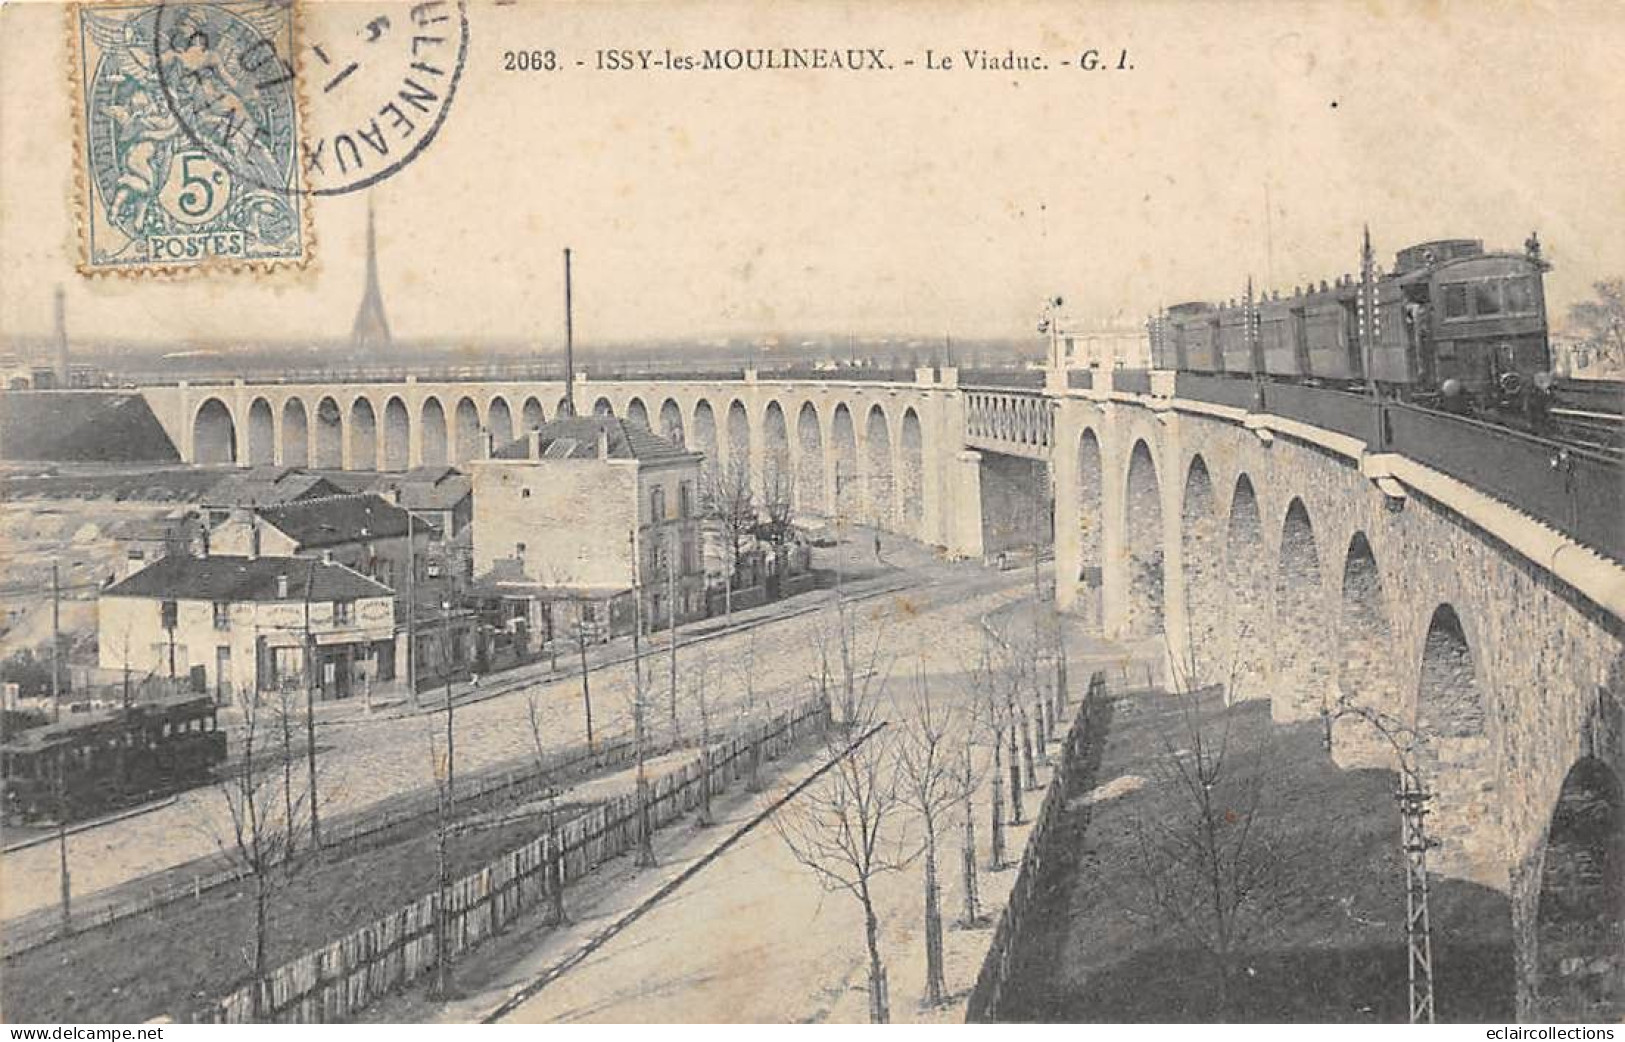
[[237, 626], [364, 532], [573, 516]]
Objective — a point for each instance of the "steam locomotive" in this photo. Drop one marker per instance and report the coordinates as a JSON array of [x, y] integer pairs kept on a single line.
[[1451, 326]]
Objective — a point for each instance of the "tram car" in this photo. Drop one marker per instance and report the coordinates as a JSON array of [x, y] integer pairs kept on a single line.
[[1451, 325], [91, 762]]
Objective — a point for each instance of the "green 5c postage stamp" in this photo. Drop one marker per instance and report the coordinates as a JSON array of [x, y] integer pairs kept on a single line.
[[188, 140]]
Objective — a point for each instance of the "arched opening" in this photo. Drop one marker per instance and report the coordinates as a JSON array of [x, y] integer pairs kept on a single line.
[[1143, 528], [214, 434], [1367, 680], [435, 441], [1201, 551], [1454, 753], [466, 425], [261, 433], [877, 464], [329, 448], [848, 487], [397, 435], [778, 479], [738, 431], [603, 407], [531, 415], [911, 480], [295, 434], [499, 421], [1091, 524], [563, 408], [363, 436], [810, 490], [1580, 915], [671, 423], [1303, 673], [705, 438], [638, 413], [1245, 571]]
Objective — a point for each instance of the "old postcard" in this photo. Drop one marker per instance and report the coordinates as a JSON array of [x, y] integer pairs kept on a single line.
[[728, 512]]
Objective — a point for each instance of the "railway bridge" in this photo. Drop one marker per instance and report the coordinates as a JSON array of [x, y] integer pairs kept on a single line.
[[1315, 549]]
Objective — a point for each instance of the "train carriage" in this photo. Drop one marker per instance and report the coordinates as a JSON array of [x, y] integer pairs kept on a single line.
[[1235, 344], [96, 761], [1452, 323], [1280, 332], [1190, 333]]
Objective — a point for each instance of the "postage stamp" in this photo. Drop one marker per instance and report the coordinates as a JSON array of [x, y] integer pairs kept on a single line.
[[188, 141]]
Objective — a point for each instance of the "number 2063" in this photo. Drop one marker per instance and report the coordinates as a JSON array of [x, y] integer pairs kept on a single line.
[[530, 61]]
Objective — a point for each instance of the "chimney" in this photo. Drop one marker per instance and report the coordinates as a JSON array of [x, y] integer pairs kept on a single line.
[[282, 586], [603, 441], [63, 375], [327, 557], [535, 445], [253, 537]]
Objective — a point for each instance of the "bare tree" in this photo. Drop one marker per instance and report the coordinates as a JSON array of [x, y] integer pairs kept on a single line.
[[1210, 861], [264, 823], [847, 831], [700, 677], [1602, 321], [932, 781], [553, 871], [730, 501]]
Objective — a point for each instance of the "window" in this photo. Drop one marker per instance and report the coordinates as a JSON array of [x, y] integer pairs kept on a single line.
[[222, 615], [524, 493], [519, 549], [168, 614], [685, 499], [1487, 298], [1520, 295], [1455, 301], [343, 613], [657, 504]]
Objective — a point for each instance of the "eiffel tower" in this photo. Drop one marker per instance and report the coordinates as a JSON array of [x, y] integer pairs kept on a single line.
[[371, 331]]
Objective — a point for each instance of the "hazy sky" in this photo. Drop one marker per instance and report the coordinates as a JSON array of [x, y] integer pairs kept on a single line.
[[909, 201]]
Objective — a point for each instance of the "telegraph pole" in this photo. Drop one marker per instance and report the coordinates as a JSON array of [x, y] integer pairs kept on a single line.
[[1413, 798], [310, 716], [56, 644], [671, 633], [569, 342], [646, 853], [586, 686], [451, 788], [411, 612]]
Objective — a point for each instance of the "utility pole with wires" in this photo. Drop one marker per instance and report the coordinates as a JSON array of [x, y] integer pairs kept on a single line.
[[646, 852], [411, 612], [1413, 798], [56, 644], [310, 715], [671, 633]]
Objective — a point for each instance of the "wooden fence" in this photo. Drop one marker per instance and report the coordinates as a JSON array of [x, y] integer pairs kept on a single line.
[[333, 982], [983, 1004]]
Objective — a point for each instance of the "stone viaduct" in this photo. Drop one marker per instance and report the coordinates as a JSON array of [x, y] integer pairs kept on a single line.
[[1290, 561]]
